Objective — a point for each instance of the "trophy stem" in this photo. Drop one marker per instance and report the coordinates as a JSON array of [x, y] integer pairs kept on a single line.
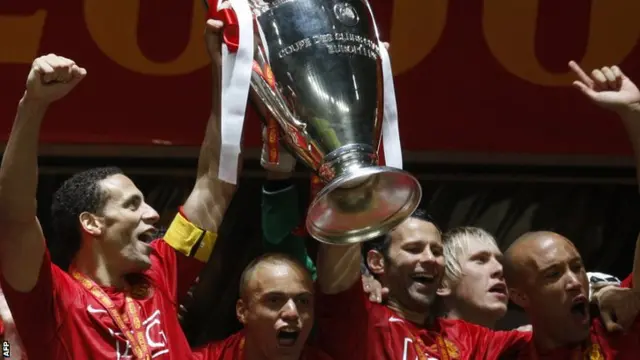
[[361, 201]]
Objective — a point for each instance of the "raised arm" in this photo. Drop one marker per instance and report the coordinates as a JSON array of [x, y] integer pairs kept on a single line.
[[609, 88], [22, 244], [280, 207], [210, 197], [338, 267]]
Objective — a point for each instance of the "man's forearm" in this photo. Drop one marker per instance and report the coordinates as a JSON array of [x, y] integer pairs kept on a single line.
[[338, 267], [19, 170], [210, 197]]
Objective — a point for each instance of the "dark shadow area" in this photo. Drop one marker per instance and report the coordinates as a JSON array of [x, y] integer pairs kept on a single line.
[[600, 217]]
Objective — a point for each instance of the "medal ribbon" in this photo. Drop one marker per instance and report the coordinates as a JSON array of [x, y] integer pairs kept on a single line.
[[135, 336], [422, 349], [273, 135]]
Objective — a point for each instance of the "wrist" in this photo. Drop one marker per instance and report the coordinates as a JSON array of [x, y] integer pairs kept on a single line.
[[33, 103], [629, 113]]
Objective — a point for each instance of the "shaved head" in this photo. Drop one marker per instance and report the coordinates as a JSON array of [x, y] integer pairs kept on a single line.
[[276, 306], [268, 261], [519, 257], [546, 277]]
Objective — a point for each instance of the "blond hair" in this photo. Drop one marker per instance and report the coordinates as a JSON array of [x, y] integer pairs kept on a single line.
[[456, 245]]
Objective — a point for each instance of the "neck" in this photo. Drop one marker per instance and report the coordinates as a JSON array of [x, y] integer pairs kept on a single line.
[[417, 317], [252, 351], [477, 317], [544, 342], [92, 263]]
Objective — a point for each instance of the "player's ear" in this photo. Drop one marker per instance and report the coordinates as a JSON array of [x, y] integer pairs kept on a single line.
[[241, 311], [375, 262], [444, 289]]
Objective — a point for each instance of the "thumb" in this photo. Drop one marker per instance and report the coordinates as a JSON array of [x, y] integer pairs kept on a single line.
[[384, 292], [214, 26], [609, 324], [78, 74], [585, 89]]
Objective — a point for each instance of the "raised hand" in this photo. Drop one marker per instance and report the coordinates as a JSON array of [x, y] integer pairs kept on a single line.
[[619, 307], [607, 87], [377, 293], [213, 39], [51, 78]]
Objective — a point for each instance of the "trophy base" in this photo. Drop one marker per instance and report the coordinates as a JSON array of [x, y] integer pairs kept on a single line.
[[362, 204]]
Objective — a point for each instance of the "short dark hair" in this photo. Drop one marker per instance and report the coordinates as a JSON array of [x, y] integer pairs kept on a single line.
[[269, 258], [381, 243], [80, 193]]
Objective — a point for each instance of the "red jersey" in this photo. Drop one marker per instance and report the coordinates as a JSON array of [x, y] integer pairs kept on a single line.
[[60, 319], [232, 348], [602, 345], [350, 327]]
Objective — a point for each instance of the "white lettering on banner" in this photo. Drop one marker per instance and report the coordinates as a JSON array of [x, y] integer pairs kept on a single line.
[[154, 333]]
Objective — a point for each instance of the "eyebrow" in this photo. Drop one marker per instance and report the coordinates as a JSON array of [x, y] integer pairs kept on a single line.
[[499, 256], [549, 267], [132, 198], [569, 262], [281, 293]]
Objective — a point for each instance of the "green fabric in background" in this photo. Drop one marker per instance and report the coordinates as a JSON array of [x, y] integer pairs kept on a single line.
[[280, 217]]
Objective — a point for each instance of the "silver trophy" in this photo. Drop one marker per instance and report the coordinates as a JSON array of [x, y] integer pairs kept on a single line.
[[318, 73]]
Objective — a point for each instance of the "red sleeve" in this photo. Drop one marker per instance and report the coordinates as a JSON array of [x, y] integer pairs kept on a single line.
[[38, 313], [342, 322], [627, 282], [173, 269], [227, 349], [497, 344], [180, 256]]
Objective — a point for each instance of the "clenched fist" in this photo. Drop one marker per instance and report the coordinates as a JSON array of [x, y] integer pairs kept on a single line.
[[51, 78]]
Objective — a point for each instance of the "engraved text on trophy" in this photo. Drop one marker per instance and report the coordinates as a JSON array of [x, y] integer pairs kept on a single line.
[[336, 43]]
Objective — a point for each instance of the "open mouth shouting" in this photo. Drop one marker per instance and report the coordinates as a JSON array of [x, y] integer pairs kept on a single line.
[[500, 290], [287, 337], [424, 278], [580, 309], [148, 235]]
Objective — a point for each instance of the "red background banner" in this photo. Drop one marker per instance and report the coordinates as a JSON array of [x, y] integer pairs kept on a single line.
[[471, 76]]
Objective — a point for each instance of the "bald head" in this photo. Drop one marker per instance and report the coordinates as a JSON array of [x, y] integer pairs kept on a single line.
[[530, 252], [547, 279], [273, 265]]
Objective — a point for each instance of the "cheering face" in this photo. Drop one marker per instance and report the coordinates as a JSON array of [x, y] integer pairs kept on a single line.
[[125, 225], [278, 313], [415, 264], [481, 287], [557, 289]]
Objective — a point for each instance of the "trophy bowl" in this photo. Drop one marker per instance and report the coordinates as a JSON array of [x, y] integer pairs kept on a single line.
[[318, 72]]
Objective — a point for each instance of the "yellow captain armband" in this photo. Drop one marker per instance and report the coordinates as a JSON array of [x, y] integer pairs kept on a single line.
[[189, 239]]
